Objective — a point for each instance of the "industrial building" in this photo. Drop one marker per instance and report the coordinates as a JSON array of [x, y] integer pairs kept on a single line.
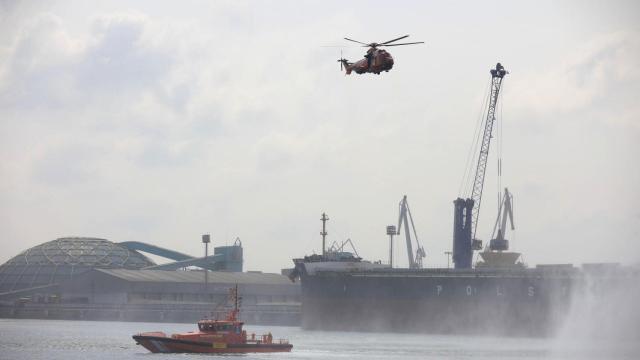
[[96, 279]]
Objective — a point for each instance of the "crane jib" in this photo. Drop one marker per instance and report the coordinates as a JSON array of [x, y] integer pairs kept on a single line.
[[497, 75]]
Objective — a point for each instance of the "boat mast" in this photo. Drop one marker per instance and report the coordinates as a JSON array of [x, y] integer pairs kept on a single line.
[[233, 294]]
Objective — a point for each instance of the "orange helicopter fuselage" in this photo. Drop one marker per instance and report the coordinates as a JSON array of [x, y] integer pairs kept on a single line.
[[375, 61]]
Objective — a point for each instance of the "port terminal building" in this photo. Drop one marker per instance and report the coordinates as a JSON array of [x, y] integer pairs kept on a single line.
[[96, 279]]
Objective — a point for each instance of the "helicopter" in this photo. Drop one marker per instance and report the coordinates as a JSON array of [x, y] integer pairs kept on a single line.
[[375, 60]]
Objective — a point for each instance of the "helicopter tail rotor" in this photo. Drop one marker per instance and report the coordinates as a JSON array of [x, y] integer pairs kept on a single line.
[[344, 63]]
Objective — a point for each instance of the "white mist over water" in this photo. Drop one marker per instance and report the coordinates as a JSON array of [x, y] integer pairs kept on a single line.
[[603, 318], [82, 340]]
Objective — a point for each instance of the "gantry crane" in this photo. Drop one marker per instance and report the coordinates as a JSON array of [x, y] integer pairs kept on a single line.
[[404, 217], [467, 210]]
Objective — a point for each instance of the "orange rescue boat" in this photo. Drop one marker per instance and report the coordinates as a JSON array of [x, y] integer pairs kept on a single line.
[[214, 336]]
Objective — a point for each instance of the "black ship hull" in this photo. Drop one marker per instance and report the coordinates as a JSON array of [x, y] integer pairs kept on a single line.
[[522, 302]]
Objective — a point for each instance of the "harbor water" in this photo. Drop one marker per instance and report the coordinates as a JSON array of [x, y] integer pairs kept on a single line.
[[53, 339]]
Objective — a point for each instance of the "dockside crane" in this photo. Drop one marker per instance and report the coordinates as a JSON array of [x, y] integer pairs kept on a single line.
[[404, 217], [498, 241], [467, 211], [497, 254]]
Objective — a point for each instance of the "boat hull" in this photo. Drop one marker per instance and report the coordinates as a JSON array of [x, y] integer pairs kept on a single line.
[[161, 344]]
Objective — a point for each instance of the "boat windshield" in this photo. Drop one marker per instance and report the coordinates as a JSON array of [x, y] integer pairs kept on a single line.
[[215, 327]]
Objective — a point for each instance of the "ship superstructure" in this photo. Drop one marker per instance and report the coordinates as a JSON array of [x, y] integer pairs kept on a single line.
[[334, 258]]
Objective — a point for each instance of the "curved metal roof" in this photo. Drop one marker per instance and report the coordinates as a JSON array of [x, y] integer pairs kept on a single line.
[[61, 259]]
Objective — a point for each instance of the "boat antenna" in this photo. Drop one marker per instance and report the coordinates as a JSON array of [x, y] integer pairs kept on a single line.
[[217, 309], [237, 301]]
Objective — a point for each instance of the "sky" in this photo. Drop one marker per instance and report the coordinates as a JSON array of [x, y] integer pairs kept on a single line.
[[161, 121]]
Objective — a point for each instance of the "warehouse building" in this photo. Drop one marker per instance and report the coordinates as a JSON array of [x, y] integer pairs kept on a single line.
[[95, 279]]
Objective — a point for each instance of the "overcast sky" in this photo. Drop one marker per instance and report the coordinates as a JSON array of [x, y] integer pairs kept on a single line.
[[160, 121]]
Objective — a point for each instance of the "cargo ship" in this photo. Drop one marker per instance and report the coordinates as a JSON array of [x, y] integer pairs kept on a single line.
[[497, 295], [494, 297]]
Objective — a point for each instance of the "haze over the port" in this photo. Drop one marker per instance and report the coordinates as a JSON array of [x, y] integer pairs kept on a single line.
[[158, 122]]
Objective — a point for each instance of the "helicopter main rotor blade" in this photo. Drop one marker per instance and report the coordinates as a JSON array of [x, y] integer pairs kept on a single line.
[[356, 41], [411, 43], [390, 41], [340, 46]]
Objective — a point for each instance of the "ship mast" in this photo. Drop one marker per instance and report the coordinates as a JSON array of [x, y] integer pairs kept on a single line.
[[324, 219]]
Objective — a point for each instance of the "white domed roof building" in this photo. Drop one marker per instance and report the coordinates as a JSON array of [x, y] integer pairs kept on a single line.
[[61, 259]]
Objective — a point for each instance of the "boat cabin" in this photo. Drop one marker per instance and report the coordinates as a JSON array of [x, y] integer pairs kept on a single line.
[[220, 326]]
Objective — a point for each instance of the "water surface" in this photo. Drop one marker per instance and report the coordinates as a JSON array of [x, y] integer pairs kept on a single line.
[[82, 340]]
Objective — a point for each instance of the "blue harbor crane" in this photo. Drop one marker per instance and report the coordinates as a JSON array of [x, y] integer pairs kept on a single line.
[[467, 211]]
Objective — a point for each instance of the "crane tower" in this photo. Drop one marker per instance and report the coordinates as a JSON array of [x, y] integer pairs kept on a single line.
[[467, 211]]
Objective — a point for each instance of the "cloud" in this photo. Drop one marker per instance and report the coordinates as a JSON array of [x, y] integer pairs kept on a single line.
[[33, 72], [602, 71], [67, 165], [117, 62], [122, 60]]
